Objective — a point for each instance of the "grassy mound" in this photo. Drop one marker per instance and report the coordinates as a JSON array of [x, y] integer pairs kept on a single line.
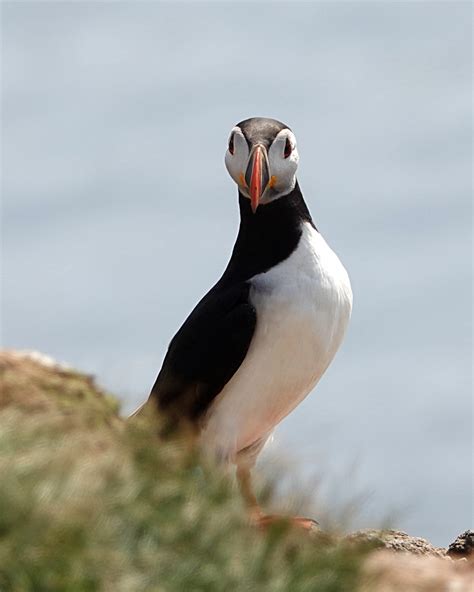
[[89, 502]]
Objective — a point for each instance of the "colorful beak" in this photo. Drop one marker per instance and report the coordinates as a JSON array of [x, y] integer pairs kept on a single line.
[[257, 175]]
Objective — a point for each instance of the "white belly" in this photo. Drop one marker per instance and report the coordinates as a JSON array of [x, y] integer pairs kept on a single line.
[[303, 306]]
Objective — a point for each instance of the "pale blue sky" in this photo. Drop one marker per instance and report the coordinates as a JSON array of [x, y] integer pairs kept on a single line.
[[118, 213]]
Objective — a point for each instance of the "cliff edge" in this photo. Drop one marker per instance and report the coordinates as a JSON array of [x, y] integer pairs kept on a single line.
[[90, 501]]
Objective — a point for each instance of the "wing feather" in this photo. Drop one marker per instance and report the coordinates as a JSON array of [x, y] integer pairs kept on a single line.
[[205, 353]]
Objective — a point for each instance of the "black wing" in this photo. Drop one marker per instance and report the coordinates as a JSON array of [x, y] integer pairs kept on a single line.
[[205, 353]]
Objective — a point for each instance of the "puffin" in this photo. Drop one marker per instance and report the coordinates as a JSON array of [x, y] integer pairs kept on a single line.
[[259, 341]]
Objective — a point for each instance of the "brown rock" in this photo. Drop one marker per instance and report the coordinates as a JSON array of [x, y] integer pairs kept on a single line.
[[463, 546], [396, 540]]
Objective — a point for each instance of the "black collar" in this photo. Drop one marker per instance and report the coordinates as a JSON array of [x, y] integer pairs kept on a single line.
[[267, 237]]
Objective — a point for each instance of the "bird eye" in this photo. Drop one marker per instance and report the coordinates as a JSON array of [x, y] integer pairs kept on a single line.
[[288, 148], [231, 144]]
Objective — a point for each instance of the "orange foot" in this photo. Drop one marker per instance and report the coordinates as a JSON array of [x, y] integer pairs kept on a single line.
[[263, 521]]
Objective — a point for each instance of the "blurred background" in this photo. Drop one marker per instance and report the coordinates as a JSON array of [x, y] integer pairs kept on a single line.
[[118, 213]]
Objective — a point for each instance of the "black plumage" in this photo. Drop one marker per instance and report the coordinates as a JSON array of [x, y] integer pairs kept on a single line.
[[212, 343]]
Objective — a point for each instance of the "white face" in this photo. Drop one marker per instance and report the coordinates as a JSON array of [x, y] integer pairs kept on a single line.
[[282, 159]]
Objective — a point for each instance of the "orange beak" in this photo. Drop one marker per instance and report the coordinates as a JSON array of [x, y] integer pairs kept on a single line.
[[256, 175]]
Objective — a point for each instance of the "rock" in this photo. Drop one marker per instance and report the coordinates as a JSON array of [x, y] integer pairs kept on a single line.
[[385, 571], [416, 565], [396, 540], [463, 546]]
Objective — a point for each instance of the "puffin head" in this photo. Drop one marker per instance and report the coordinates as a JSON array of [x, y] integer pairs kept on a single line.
[[262, 159]]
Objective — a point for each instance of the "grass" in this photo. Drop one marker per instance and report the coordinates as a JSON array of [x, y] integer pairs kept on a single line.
[[91, 502]]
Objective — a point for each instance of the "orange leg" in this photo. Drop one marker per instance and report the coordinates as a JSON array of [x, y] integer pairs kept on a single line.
[[245, 482], [257, 517]]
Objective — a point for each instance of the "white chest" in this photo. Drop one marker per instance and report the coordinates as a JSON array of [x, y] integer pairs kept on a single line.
[[303, 306]]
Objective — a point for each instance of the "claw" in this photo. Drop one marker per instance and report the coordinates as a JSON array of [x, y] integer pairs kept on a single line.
[[263, 521]]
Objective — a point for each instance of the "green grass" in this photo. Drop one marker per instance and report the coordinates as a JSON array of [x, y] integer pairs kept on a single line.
[[91, 502]]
